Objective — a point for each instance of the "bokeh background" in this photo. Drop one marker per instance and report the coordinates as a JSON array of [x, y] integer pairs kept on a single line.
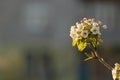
[[35, 42]]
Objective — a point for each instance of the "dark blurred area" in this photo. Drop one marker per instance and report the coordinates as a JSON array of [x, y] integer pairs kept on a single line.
[[35, 42]]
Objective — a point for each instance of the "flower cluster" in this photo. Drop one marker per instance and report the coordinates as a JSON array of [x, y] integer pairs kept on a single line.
[[116, 71], [86, 32]]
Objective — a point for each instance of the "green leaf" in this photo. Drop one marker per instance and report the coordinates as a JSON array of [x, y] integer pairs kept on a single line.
[[89, 40], [82, 46], [99, 41], [74, 42], [90, 56], [87, 54]]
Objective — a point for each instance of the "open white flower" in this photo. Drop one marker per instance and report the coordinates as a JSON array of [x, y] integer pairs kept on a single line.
[[73, 36], [73, 28], [79, 26], [84, 33], [95, 24], [73, 32], [95, 30]]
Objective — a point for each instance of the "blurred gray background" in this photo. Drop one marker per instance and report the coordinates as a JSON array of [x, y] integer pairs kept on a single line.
[[35, 42]]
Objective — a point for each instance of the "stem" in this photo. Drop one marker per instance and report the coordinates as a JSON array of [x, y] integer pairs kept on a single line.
[[101, 60]]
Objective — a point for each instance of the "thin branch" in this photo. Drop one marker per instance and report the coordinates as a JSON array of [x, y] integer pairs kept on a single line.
[[101, 60]]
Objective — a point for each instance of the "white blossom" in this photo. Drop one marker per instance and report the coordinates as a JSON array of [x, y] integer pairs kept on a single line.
[[84, 19], [73, 28], [86, 27], [79, 26], [95, 30], [73, 32], [95, 24], [84, 33]]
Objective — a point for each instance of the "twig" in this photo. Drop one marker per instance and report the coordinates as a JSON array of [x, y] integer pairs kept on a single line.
[[101, 60]]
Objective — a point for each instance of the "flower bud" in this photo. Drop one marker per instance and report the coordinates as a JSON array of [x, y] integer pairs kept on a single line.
[[104, 27], [116, 72]]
